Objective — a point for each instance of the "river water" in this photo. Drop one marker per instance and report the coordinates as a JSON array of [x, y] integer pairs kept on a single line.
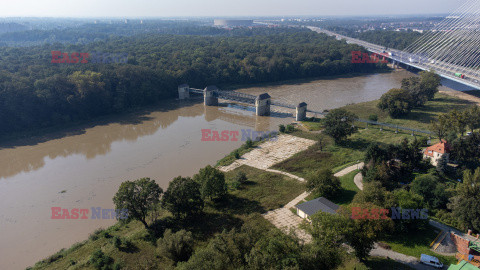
[[83, 167]]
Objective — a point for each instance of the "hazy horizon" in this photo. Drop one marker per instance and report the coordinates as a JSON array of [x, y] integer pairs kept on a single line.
[[225, 8]]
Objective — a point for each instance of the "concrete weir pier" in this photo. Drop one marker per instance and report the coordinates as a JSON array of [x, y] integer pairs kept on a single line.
[[262, 104], [209, 96], [301, 111], [183, 91]]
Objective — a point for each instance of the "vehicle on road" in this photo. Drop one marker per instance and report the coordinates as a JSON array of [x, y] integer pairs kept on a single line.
[[430, 260], [460, 75]]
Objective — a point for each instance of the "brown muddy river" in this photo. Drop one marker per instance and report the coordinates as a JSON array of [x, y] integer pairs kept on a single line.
[[84, 168]]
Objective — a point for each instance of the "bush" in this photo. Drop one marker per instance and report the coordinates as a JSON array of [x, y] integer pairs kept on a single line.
[[100, 261], [281, 128], [234, 185], [96, 234], [289, 129], [176, 246], [241, 177], [248, 143], [373, 117], [236, 154], [117, 242]]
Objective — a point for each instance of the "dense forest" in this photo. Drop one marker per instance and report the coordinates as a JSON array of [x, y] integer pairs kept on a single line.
[[36, 93]]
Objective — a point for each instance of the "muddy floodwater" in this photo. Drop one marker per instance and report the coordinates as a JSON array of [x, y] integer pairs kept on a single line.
[[83, 167]]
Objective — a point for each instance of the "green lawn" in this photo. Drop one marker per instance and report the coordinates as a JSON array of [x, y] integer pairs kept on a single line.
[[270, 190], [313, 126], [417, 243]]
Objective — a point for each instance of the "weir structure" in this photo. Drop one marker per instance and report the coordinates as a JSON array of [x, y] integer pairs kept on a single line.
[[262, 102]]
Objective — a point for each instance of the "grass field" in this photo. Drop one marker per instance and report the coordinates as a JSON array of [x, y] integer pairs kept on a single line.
[[264, 191]]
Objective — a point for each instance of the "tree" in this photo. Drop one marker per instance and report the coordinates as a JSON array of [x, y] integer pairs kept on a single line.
[[413, 86], [433, 192], [466, 204], [430, 81], [339, 124], [397, 102], [441, 126], [278, 251], [328, 229], [138, 197], [472, 117], [375, 193], [324, 183], [409, 200], [466, 151], [331, 230], [442, 165], [182, 197], [176, 246], [212, 182], [458, 121]]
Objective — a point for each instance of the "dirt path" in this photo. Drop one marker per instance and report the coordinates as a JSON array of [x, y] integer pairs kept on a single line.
[[358, 180]]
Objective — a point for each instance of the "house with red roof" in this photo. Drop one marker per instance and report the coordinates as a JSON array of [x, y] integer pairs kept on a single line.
[[437, 151]]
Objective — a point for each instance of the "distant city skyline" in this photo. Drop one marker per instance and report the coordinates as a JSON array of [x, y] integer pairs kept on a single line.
[[221, 8]]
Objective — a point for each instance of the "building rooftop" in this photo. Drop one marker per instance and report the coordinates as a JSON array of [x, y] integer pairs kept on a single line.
[[211, 88], [441, 147], [463, 265], [318, 204], [263, 96]]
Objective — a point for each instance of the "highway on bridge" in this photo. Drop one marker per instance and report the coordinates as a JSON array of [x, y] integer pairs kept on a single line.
[[412, 60]]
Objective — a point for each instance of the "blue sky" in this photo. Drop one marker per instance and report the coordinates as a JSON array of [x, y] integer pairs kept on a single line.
[[170, 8]]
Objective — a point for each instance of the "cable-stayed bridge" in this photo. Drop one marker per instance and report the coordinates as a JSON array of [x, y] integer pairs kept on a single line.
[[451, 48]]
